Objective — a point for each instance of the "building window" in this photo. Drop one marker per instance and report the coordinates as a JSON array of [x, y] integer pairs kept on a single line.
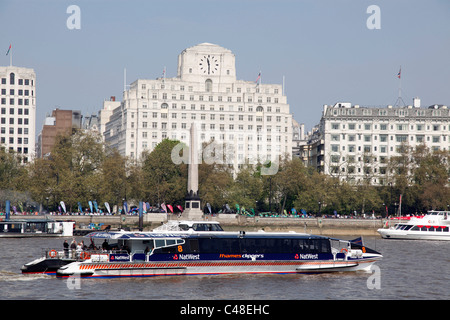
[[208, 85], [11, 78]]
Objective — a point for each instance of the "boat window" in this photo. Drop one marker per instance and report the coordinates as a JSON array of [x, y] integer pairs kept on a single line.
[[221, 245], [199, 227], [415, 228], [184, 227], [445, 229], [193, 244], [170, 242], [160, 243], [216, 227], [207, 227], [264, 245], [167, 245]]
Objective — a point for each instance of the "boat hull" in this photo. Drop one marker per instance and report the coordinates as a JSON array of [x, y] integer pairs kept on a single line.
[[45, 266], [150, 269], [413, 235]]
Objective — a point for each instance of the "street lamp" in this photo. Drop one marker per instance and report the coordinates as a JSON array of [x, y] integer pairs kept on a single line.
[[319, 207], [48, 210]]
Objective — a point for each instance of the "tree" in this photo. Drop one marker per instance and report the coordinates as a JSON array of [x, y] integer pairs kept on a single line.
[[246, 189], [289, 181], [114, 181], [215, 181], [431, 177], [71, 172], [164, 181], [421, 176]]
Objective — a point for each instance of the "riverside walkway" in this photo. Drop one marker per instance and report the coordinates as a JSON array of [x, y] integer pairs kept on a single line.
[[231, 222]]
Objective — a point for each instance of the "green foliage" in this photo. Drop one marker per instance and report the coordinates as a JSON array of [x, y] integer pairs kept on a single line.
[[80, 168], [164, 181]]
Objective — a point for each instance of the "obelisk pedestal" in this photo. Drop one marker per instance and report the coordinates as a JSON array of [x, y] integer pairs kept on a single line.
[[192, 209]]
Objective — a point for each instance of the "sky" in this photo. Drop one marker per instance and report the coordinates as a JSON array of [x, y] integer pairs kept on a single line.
[[324, 49]]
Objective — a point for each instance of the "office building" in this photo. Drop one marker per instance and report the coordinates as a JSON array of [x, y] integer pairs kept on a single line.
[[59, 123], [249, 119], [355, 142], [18, 110]]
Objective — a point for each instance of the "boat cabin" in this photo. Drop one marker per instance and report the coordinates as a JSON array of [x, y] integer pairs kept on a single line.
[[32, 226]]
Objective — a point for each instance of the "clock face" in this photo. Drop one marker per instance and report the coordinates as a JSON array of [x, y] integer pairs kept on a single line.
[[208, 64]]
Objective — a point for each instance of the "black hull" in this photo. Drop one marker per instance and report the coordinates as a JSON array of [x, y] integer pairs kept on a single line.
[[46, 266]]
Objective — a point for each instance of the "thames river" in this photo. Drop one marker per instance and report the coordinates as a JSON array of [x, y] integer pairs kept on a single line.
[[417, 270]]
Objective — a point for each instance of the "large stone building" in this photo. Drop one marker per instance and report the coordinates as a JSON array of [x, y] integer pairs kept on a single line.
[[251, 119], [355, 142], [18, 110]]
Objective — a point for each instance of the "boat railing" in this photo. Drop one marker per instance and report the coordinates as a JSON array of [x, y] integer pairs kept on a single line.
[[80, 255], [97, 255]]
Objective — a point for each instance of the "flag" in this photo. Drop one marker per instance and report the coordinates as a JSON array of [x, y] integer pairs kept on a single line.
[[90, 206], [259, 77], [180, 208], [108, 207], [7, 52], [399, 74], [357, 241], [63, 205], [170, 208], [79, 207], [163, 206]]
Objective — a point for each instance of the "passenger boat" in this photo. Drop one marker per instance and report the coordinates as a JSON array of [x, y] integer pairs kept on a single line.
[[49, 263], [35, 228], [52, 259], [191, 252], [432, 226]]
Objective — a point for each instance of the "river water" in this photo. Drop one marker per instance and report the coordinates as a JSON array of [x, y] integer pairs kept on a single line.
[[415, 270]]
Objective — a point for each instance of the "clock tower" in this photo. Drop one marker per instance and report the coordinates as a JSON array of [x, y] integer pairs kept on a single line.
[[207, 61]]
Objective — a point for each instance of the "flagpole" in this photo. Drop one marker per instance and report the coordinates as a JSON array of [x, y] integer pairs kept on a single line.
[[9, 52], [400, 83], [399, 76], [124, 79]]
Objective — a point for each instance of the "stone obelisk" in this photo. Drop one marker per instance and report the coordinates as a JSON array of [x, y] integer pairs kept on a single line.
[[192, 209]]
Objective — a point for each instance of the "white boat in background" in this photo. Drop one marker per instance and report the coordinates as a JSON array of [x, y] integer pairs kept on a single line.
[[35, 228], [434, 225]]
